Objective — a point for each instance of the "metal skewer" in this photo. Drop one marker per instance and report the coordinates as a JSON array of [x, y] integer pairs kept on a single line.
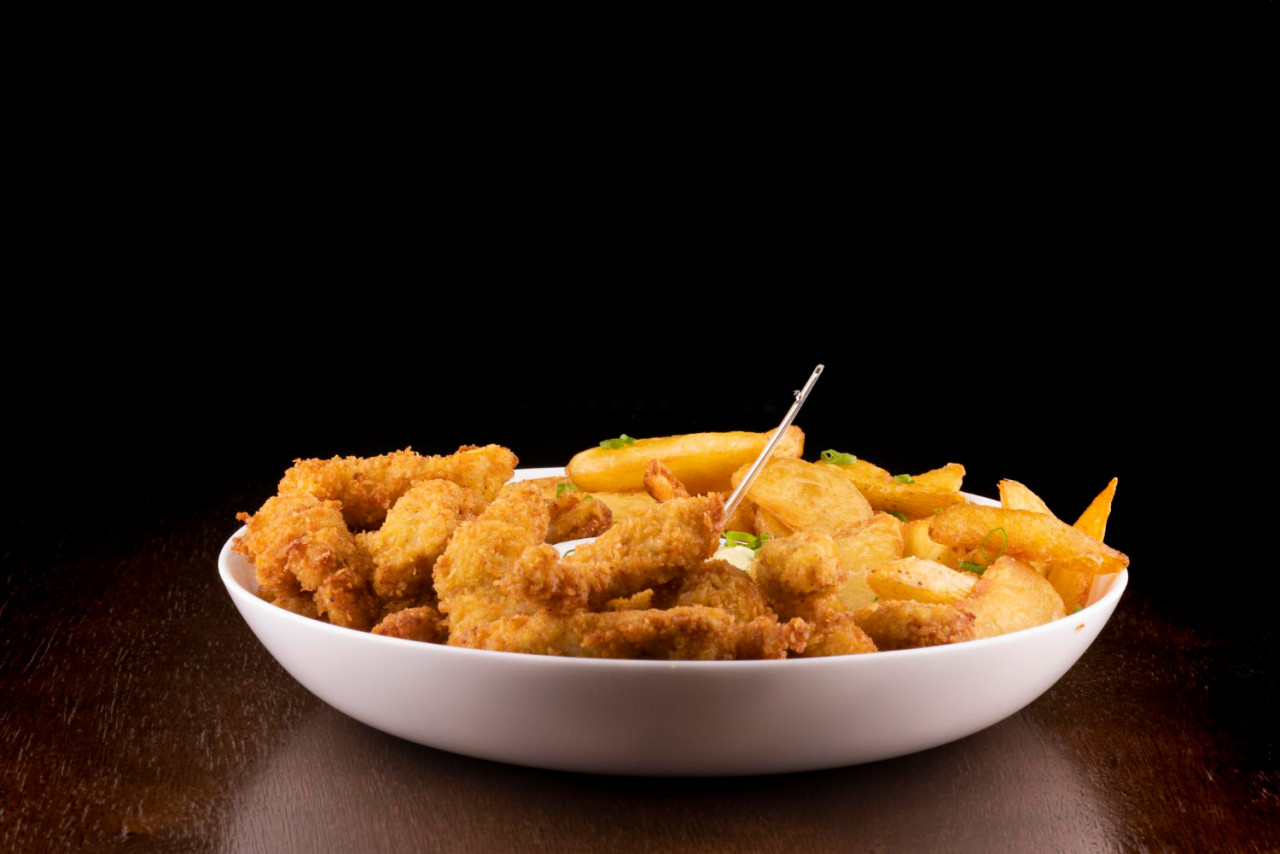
[[741, 491]]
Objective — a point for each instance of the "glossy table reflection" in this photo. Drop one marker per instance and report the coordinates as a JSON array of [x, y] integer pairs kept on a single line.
[[140, 714]]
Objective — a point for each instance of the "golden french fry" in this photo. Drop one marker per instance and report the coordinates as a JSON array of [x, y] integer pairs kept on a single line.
[[920, 580], [914, 500], [1072, 586], [875, 543], [1027, 534], [1010, 596], [703, 462], [807, 496], [1094, 519]]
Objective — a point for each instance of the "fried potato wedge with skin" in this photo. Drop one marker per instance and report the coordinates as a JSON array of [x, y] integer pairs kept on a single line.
[[906, 624], [1073, 587], [1010, 596], [950, 477], [1031, 536], [767, 523], [1015, 496], [807, 496], [875, 543], [921, 581], [703, 462], [1094, 519], [914, 500], [624, 505], [916, 543]]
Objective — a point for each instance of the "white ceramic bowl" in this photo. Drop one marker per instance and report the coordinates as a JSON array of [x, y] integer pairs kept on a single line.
[[658, 717]]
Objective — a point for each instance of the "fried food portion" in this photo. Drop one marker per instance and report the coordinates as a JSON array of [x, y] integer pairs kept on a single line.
[[661, 483], [345, 598], [681, 633], [703, 462], [418, 527], [420, 624], [1009, 596], [576, 515], [907, 624], [861, 550], [800, 576], [469, 575], [369, 486], [921, 580], [1027, 534], [297, 540], [646, 550], [916, 498], [717, 584], [807, 496]]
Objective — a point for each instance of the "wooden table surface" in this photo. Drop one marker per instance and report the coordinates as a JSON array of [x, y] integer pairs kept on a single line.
[[139, 713]]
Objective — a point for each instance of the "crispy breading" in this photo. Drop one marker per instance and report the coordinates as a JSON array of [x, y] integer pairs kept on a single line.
[[345, 598], [297, 537], [576, 516], [369, 486], [906, 624], [717, 584], [420, 624], [661, 483], [417, 529]]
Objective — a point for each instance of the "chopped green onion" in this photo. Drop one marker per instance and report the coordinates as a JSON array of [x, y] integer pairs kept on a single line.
[[571, 551], [1077, 609], [991, 560], [937, 510], [562, 488], [836, 458], [615, 444], [742, 538], [979, 568], [904, 478], [902, 517], [877, 599]]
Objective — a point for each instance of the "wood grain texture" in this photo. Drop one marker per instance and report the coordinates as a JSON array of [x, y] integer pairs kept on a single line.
[[140, 714]]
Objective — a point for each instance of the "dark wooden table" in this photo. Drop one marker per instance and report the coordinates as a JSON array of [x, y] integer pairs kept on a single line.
[[138, 712]]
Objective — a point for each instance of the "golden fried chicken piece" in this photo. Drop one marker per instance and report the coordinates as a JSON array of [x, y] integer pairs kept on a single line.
[[421, 624], [686, 632], [661, 483], [468, 576], [418, 527], [297, 539], [800, 576], [717, 584], [291, 597], [369, 486], [907, 624], [345, 598], [576, 516], [645, 550]]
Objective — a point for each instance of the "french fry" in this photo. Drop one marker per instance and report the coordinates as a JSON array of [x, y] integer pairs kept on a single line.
[[1094, 519], [914, 500], [916, 543], [950, 477], [1015, 496], [1028, 535], [703, 462], [920, 580]]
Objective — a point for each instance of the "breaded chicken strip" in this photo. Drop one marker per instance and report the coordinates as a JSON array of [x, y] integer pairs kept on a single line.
[[468, 576], [645, 550], [800, 575], [369, 486], [686, 632], [345, 598], [907, 624], [717, 584], [405, 549], [297, 538]]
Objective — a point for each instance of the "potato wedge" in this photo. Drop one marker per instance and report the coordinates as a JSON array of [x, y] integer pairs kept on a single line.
[[950, 477], [1009, 597], [920, 580], [914, 500], [875, 543], [703, 462], [1094, 519], [916, 543], [1015, 496], [1031, 536], [1073, 587], [807, 496]]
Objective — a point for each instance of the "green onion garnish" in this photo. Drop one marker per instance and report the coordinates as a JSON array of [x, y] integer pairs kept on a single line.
[[742, 538], [904, 478], [973, 567], [562, 488], [615, 444], [1077, 609], [836, 458], [1002, 548], [902, 517]]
